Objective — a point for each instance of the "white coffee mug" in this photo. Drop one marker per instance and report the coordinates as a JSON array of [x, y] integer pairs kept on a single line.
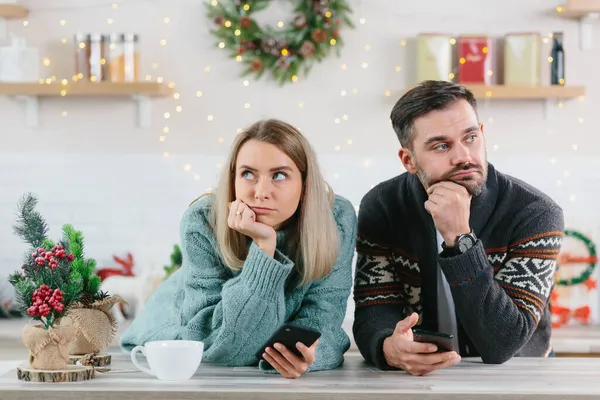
[[171, 360]]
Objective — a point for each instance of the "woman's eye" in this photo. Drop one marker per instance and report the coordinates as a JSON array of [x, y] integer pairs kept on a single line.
[[279, 176], [247, 175]]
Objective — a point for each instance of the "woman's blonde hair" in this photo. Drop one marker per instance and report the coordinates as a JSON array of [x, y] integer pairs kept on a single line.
[[313, 241]]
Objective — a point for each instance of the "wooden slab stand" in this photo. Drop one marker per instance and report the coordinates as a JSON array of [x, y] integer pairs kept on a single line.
[[98, 360], [73, 373]]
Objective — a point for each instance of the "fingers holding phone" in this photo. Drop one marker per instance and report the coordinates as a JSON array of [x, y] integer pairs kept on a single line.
[[288, 364], [417, 358]]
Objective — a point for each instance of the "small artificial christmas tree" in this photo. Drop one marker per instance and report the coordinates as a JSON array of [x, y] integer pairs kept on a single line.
[[47, 284], [53, 275]]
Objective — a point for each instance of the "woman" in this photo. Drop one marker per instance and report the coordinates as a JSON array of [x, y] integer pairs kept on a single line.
[[272, 245]]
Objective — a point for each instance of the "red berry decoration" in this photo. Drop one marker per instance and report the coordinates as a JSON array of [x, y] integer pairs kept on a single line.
[[45, 300]]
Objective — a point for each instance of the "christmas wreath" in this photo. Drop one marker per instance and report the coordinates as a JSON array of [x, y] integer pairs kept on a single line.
[[287, 52], [592, 259]]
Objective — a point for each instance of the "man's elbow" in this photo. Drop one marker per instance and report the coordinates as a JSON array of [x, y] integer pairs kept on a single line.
[[495, 359]]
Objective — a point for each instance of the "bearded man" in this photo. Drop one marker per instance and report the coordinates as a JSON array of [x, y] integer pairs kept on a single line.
[[452, 245]]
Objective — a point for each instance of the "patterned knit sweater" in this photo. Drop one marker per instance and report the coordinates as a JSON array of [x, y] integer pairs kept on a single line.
[[501, 286], [235, 313]]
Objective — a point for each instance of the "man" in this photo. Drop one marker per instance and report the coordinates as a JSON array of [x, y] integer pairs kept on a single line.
[[452, 245]]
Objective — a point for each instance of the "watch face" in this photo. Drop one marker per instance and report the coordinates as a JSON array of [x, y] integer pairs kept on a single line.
[[465, 242]]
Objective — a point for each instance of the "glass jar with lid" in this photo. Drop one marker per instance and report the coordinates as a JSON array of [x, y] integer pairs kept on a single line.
[[131, 57], [116, 58], [82, 56], [90, 57]]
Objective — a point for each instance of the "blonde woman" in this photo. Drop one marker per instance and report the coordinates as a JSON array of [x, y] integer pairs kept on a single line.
[[272, 245]]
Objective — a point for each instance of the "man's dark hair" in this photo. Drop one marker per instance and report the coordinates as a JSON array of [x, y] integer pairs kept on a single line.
[[420, 100]]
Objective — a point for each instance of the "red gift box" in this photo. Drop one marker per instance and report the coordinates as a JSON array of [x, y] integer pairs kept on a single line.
[[475, 59]]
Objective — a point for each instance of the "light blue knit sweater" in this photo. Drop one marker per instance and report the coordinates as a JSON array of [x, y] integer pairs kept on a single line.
[[235, 313]]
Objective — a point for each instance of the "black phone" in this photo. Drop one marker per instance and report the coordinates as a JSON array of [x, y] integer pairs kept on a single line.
[[443, 341], [288, 335]]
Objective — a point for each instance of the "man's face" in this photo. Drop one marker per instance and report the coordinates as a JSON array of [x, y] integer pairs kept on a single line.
[[448, 145]]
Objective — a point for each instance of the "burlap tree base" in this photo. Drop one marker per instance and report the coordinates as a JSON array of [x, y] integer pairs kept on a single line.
[[48, 348], [95, 324]]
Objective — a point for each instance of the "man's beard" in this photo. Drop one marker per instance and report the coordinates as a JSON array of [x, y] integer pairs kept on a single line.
[[472, 184]]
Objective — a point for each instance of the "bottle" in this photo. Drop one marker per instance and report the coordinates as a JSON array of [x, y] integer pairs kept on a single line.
[[557, 65]]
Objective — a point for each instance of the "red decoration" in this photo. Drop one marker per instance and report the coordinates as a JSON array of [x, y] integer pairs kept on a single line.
[[475, 59], [42, 256], [568, 258], [591, 284], [44, 300], [126, 270], [564, 314]]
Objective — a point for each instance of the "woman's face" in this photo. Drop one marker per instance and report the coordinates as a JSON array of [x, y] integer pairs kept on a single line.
[[268, 181]]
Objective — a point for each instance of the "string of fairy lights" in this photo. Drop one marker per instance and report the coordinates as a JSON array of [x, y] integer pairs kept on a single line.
[[336, 120]]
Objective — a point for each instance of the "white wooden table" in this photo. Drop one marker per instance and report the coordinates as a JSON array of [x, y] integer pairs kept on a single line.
[[577, 341], [520, 378]]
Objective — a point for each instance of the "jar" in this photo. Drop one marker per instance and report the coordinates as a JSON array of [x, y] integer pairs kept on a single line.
[[98, 65], [131, 57], [82, 56], [116, 57]]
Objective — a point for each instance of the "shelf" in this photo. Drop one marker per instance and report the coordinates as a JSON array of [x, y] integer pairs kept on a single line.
[[546, 93], [10, 11], [586, 11], [141, 92], [578, 8], [526, 92], [150, 89], [503, 92]]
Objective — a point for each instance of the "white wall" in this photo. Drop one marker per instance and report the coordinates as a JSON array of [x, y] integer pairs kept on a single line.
[[95, 169]]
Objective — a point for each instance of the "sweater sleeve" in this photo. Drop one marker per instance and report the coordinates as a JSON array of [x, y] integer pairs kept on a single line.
[[381, 295], [232, 316], [325, 302], [500, 313]]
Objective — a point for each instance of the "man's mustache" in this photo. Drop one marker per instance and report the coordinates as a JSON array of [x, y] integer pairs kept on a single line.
[[460, 168]]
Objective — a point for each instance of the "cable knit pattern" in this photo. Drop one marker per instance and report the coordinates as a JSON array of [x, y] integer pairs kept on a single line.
[[235, 313]]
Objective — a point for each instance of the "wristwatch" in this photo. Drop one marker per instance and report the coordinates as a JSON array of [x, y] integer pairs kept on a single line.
[[463, 243]]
